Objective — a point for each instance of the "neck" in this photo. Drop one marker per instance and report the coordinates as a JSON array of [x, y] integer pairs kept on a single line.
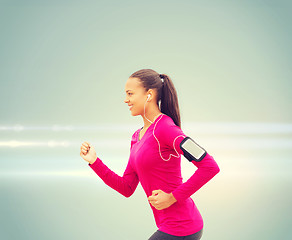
[[151, 116]]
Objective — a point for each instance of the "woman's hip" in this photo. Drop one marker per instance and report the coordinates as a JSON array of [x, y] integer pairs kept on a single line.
[[159, 235]]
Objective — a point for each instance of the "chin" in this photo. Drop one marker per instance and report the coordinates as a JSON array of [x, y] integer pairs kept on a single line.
[[135, 113]]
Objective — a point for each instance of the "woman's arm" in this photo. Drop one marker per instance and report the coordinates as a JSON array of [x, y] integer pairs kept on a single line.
[[171, 135], [207, 169], [126, 185]]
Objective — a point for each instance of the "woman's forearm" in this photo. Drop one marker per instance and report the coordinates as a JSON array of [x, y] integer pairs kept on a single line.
[[125, 185], [207, 169]]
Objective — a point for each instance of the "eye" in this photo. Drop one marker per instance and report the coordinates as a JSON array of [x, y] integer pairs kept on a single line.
[[130, 93]]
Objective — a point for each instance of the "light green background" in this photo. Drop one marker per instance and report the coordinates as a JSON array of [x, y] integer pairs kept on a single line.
[[63, 67]]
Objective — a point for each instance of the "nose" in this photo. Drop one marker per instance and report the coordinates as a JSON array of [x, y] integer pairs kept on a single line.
[[126, 100]]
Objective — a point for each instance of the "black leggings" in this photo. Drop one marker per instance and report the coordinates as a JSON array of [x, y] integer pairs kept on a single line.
[[158, 235]]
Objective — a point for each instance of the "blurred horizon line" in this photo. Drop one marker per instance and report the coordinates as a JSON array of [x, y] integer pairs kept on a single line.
[[199, 127]]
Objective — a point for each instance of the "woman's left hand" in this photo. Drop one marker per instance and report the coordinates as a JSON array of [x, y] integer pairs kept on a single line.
[[161, 200]]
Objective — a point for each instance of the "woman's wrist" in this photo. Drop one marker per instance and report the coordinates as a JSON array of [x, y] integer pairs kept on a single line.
[[91, 162], [172, 198]]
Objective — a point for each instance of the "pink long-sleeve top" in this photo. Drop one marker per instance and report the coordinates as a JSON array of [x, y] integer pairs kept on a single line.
[[155, 162]]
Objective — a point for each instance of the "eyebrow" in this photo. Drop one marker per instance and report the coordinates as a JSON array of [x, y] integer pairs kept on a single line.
[[128, 90]]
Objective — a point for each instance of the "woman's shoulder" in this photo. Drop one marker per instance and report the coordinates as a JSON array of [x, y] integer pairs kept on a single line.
[[166, 121], [167, 131], [165, 125]]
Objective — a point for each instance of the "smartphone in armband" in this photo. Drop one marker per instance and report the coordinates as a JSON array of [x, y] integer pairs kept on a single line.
[[192, 151]]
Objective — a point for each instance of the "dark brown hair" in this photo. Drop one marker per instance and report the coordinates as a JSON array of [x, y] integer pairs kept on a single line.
[[166, 92]]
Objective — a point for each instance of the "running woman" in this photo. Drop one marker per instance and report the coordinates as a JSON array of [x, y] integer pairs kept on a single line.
[[155, 158]]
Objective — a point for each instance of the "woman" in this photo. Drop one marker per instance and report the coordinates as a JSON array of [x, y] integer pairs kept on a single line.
[[155, 158]]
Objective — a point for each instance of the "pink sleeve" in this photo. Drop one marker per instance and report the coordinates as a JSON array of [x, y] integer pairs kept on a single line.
[[171, 135], [125, 185], [207, 169]]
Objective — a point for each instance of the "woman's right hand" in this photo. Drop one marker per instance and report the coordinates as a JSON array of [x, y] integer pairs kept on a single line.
[[87, 152]]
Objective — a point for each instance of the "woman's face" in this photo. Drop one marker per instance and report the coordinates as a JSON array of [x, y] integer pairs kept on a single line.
[[136, 96]]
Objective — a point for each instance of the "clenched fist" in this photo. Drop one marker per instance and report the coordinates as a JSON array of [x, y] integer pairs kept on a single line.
[[161, 200], [87, 152]]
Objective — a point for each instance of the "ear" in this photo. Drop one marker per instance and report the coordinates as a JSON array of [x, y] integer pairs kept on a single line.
[[150, 95]]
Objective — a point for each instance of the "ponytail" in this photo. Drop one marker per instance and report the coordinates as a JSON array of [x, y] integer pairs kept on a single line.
[[166, 92], [169, 100]]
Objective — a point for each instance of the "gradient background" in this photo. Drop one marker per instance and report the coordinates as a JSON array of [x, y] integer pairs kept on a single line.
[[63, 68]]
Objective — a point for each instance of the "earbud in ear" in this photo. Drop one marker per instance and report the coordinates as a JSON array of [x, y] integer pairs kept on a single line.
[[148, 96]]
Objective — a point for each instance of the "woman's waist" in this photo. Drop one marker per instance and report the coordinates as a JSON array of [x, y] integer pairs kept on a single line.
[[180, 217], [166, 185], [182, 210]]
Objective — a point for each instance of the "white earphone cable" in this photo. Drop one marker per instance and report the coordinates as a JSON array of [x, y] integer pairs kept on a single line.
[[159, 148], [164, 159], [144, 109]]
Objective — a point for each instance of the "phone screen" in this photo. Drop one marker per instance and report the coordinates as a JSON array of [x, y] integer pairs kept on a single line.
[[193, 148]]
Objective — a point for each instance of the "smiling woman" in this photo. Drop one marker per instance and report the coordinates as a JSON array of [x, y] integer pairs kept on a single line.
[[141, 100], [155, 158]]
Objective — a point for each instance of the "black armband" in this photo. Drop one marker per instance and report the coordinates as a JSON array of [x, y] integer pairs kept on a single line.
[[192, 151]]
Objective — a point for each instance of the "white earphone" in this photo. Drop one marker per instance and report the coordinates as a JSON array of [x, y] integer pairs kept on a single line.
[[148, 96]]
